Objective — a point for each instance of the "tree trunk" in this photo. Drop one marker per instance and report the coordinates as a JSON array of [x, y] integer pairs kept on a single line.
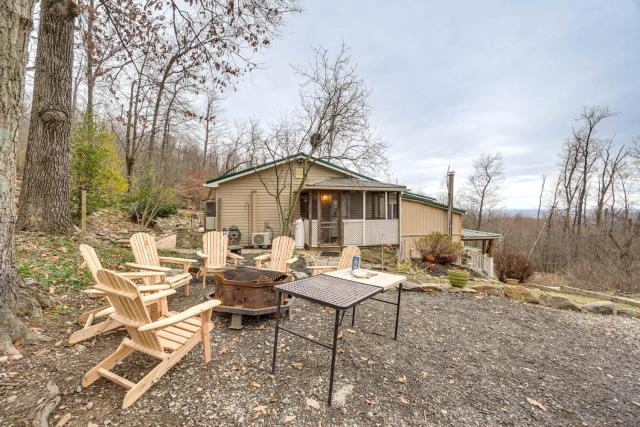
[[15, 25], [44, 199]]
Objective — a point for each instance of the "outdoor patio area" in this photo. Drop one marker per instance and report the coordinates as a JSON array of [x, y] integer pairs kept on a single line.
[[459, 360]]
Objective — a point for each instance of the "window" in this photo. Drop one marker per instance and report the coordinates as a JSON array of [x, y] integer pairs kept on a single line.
[[304, 205], [375, 205], [392, 205]]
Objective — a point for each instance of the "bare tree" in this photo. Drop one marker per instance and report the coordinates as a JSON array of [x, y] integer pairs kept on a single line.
[[331, 124], [483, 185], [44, 197], [15, 26]]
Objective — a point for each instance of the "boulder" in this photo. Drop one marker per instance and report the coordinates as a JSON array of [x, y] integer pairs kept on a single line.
[[557, 301], [628, 312], [520, 293], [488, 289], [600, 307], [454, 290]]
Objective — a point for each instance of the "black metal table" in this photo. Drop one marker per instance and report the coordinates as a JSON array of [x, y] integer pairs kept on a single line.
[[337, 293]]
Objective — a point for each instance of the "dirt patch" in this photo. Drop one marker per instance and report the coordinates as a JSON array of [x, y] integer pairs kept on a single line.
[[459, 360]]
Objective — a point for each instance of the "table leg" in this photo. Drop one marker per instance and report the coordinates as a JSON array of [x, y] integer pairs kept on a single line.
[[395, 336], [333, 354], [353, 317], [275, 339]]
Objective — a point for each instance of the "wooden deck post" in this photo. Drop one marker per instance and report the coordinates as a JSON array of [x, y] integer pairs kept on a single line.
[[364, 218]]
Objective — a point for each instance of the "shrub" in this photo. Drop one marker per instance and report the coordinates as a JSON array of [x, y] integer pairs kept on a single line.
[[151, 199], [509, 265], [439, 247], [95, 167]]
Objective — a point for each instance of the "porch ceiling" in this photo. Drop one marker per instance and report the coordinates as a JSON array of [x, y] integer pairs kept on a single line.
[[479, 235], [351, 183]]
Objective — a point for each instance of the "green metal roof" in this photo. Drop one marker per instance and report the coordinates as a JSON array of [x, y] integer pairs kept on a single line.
[[479, 235], [414, 197], [284, 159]]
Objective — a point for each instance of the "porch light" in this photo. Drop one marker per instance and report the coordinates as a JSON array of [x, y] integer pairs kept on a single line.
[[325, 198]]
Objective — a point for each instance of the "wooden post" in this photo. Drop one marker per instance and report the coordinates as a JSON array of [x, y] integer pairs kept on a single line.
[[364, 218], [83, 211]]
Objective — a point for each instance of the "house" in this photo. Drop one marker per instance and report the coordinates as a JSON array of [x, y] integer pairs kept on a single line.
[[338, 206]]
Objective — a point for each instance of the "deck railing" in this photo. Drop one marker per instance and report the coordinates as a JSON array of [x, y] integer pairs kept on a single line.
[[479, 262]]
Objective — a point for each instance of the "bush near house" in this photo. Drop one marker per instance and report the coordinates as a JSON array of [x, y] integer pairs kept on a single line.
[[509, 265], [437, 247], [151, 199]]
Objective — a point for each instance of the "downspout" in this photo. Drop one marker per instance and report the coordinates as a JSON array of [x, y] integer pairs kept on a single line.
[[450, 175]]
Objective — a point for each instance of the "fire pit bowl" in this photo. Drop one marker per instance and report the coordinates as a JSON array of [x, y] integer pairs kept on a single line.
[[248, 291]]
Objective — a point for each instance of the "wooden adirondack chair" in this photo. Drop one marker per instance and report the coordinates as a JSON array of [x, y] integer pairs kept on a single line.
[[168, 339], [281, 255], [214, 256], [145, 252], [345, 261], [90, 330]]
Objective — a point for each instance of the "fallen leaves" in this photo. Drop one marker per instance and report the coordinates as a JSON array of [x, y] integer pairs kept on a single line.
[[223, 350], [312, 403], [537, 404], [297, 365], [261, 408], [256, 385], [289, 418], [404, 400], [402, 379]]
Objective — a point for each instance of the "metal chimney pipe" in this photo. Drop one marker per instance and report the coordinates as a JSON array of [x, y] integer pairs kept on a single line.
[[450, 175]]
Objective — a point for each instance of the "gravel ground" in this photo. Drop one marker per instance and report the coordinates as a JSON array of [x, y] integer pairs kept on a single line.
[[459, 360]]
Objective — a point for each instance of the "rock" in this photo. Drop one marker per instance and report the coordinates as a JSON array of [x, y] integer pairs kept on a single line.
[[520, 293], [312, 403], [370, 415], [454, 290], [628, 312], [413, 286], [89, 405], [600, 307], [80, 348], [488, 289], [289, 419], [4, 359], [12, 398], [300, 275], [63, 420], [340, 398], [557, 301], [434, 287]]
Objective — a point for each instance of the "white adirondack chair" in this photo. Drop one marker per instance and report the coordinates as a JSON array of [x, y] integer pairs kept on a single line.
[[215, 254], [145, 253], [346, 257], [281, 256], [92, 262], [168, 339]]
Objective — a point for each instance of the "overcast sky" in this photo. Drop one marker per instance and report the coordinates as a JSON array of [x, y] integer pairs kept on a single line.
[[454, 79]]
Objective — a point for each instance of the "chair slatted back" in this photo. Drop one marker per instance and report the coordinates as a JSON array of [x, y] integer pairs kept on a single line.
[[215, 246], [91, 260], [124, 297], [281, 251], [144, 249], [346, 258]]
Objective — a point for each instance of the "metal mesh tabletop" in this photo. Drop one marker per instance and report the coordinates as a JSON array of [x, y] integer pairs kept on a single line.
[[330, 291]]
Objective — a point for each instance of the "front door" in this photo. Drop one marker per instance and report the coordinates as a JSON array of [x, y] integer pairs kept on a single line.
[[329, 218]]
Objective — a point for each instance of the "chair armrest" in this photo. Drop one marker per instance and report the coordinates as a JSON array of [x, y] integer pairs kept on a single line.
[[291, 260], [179, 317], [234, 256], [94, 292], [153, 288], [146, 299], [262, 257], [317, 269], [141, 274], [172, 260], [202, 254], [147, 267]]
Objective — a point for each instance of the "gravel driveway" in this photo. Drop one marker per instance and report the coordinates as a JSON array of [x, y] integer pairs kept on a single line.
[[459, 360]]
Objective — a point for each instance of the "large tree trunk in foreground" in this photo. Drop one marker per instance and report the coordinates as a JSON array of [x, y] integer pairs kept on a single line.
[[44, 198], [15, 25]]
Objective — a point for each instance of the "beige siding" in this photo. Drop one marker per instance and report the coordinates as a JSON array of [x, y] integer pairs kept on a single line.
[[418, 219], [234, 197]]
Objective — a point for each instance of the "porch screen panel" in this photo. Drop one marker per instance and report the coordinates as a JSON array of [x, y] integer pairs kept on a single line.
[[392, 205], [375, 205], [351, 205]]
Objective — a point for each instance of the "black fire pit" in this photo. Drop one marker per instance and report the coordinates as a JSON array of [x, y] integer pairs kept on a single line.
[[248, 291]]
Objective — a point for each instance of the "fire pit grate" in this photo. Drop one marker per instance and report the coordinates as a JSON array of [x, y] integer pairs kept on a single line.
[[247, 274]]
